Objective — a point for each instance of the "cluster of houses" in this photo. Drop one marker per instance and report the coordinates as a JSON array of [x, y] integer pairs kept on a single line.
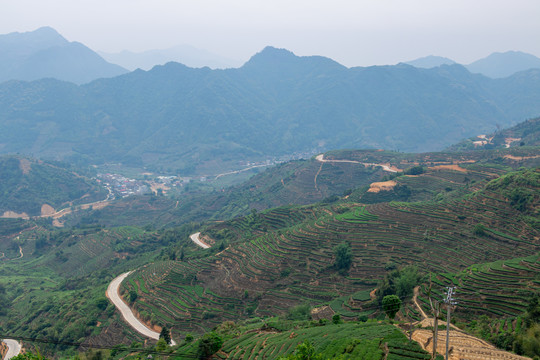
[[122, 186]]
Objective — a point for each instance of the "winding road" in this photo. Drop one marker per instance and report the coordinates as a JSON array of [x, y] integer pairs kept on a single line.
[[14, 348], [127, 314], [239, 171], [320, 158], [195, 238]]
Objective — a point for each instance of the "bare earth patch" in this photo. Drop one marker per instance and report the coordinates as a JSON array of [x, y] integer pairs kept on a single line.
[[382, 186], [323, 312], [520, 158], [461, 346], [47, 210], [14, 215], [155, 186], [449, 167], [510, 140], [25, 166]]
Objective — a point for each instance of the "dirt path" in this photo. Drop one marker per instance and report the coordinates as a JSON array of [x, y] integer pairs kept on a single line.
[[60, 213], [196, 239], [127, 314], [20, 257], [96, 205], [14, 348], [316, 176], [415, 300], [385, 167]]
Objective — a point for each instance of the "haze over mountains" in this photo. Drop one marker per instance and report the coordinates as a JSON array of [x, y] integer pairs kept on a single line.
[[181, 119], [496, 65], [277, 103], [44, 53], [184, 54]]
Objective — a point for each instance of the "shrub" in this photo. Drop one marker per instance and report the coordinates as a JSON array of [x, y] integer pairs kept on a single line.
[[209, 344]]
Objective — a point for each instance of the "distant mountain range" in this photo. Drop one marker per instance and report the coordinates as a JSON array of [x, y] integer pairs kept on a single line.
[[184, 54], [44, 53], [180, 119], [496, 65]]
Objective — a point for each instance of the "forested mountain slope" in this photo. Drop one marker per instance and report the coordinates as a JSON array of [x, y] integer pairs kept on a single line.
[[174, 118], [30, 187]]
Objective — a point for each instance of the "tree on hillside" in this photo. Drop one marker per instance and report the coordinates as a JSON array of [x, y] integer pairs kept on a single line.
[[165, 334], [209, 344], [391, 305], [400, 282], [304, 351], [3, 300], [344, 256]]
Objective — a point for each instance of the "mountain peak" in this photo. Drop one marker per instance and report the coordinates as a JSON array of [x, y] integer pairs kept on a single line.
[[44, 35], [431, 61], [271, 54], [274, 59], [503, 64], [44, 53], [46, 30]]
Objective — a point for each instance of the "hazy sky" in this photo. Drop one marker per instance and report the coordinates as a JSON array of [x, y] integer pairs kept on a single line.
[[352, 32]]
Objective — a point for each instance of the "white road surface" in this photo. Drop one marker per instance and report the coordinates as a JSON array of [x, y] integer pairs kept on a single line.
[[196, 240], [127, 314], [14, 348], [321, 158]]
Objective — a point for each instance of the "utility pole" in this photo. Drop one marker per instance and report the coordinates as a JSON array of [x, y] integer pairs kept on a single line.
[[449, 301], [436, 310]]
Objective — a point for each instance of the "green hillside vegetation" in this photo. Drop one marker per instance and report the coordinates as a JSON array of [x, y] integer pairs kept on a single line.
[[27, 184], [296, 182], [269, 271], [57, 289], [302, 251], [275, 338], [498, 301], [309, 181]]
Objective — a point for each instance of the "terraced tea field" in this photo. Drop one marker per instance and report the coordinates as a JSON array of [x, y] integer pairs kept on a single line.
[[261, 340], [500, 289], [271, 271]]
